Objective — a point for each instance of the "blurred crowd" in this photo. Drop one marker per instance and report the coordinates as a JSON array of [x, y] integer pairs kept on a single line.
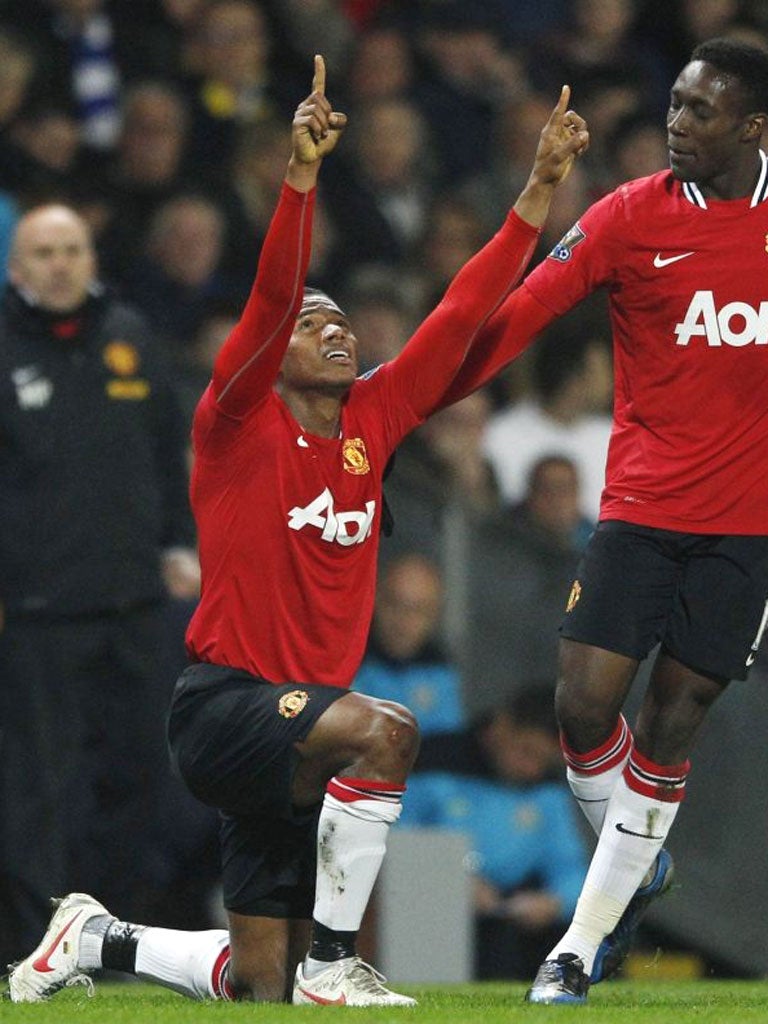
[[166, 125]]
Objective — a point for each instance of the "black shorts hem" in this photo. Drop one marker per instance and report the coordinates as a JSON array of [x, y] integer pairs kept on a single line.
[[281, 910], [569, 634], [721, 678]]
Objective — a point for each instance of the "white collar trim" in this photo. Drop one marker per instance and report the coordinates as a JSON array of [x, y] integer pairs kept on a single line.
[[692, 192]]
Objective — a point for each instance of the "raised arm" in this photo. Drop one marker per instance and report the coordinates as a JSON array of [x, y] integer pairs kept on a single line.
[[520, 317], [429, 362], [247, 366]]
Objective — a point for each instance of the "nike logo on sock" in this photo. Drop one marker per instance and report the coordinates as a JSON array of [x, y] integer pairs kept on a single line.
[[42, 963], [629, 832]]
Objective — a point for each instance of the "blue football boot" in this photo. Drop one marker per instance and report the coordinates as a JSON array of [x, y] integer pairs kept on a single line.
[[613, 950]]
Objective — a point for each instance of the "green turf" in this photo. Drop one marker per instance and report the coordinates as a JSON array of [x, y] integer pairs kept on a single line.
[[647, 1002]]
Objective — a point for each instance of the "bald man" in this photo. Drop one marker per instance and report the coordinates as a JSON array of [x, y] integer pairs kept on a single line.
[[93, 521]]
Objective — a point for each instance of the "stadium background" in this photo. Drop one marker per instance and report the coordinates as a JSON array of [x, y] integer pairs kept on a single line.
[[179, 193]]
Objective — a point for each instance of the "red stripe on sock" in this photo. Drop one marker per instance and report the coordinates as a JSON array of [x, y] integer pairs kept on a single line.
[[602, 758], [660, 782], [348, 789], [220, 983]]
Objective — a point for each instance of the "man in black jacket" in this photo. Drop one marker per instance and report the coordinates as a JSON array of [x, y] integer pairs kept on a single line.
[[95, 532]]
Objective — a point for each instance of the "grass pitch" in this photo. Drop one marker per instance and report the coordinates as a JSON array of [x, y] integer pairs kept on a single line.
[[643, 1002]]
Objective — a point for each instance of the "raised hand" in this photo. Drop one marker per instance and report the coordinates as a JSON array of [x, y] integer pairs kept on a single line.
[[563, 138], [316, 126]]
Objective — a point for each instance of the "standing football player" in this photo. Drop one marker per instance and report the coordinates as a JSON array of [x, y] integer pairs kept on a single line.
[[290, 446], [680, 556]]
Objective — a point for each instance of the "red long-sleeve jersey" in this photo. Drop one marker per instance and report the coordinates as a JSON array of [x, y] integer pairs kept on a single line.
[[289, 522], [686, 279]]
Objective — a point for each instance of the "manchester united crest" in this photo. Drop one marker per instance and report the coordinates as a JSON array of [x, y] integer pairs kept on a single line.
[[354, 456], [292, 704], [121, 358], [573, 597]]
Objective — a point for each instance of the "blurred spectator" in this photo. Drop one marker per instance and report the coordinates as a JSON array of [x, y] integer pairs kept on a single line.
[[381, 66], [158, 33], [194, 375], [452, 232], [17, 69], [675, 29], [440, 470], [637, 146], [515, 135], [500, 783], [87, 417], [472, 76], [147, 169], [378, 196], [608, 97], [598, 42], [257, 173], [179, 274], [404, 661], [361, 13], [520, 563], [82, 62], [317, 26], [375, 300], [565, 414], [550, 513], [237, 81], [455, 436], [396, 177], [45, 151]]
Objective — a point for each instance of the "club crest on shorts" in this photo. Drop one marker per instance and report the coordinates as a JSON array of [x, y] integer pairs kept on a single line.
[[354, 456], [573, 597], [292, 704]]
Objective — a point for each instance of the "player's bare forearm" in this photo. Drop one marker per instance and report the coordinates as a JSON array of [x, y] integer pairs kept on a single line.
[[563, 138], [315, 131]]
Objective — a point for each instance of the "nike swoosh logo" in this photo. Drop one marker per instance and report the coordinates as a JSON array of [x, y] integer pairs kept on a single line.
[[339, 1001], [664, 261], [629, 832], [42, 963]]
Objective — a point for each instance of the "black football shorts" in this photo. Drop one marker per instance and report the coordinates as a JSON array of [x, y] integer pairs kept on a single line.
[[704, 597], [231, 737]]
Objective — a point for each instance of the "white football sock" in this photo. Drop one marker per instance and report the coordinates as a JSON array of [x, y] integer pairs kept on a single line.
[[638, 818], [194, 964], [351, 840], [593, 775]]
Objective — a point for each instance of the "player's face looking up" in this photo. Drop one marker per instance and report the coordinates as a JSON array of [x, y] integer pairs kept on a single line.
[[322, 350], [706, 125]]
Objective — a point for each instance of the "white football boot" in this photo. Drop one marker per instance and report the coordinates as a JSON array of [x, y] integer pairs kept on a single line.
[[53, 965], [348, 982]]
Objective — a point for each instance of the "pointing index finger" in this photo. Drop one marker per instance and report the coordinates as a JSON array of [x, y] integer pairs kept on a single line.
[[318, 81], [562, 104]]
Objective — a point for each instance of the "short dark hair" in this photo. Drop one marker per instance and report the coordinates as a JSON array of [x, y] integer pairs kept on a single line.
[[747, 64]]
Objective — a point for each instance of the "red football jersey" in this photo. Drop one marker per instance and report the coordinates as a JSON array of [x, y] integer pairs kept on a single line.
[[289, 522], [688, 300], [686, 278]]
